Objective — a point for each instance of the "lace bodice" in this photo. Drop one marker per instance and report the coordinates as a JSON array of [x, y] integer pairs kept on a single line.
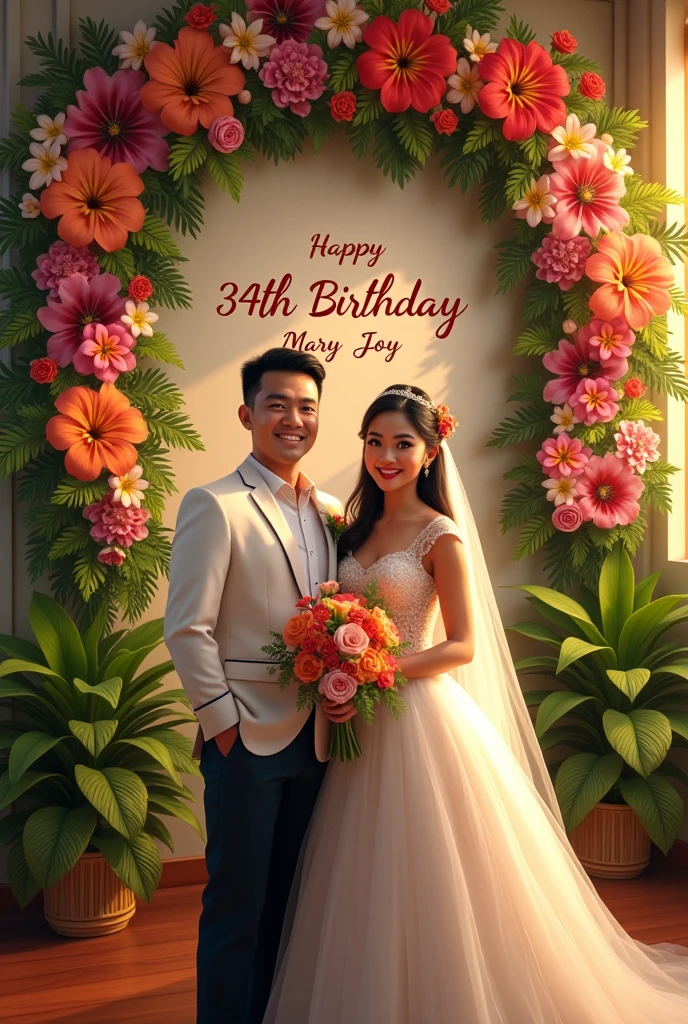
[[407, 588]]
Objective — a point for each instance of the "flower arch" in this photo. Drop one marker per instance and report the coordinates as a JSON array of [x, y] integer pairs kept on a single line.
[[110, 159]]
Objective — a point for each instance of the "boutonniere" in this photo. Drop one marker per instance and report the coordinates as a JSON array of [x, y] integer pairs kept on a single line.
[[336, 524]]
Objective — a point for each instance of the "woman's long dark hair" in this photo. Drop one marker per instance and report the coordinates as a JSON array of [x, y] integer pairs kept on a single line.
[[366, 503]]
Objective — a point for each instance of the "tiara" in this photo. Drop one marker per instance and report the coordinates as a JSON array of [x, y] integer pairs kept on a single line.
[[446, 423]]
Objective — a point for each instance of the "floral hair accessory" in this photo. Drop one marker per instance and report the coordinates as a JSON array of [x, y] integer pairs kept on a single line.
[[446, 423]]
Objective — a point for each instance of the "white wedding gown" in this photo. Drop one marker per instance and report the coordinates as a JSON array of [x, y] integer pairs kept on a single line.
[[438, 888]]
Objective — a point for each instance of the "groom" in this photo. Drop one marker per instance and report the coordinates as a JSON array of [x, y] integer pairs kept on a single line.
[[246, 548]]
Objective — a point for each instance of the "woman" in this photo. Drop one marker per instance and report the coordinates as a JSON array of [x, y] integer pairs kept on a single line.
[[438, 885]]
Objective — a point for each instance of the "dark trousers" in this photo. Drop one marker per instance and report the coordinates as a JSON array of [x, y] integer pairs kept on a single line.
[[257, 811]]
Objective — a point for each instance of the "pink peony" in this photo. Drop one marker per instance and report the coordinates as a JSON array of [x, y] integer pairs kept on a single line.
[[563, 456], [60, 261], [115, 524], [226, 133], [105, 352], [595, 401], [608, 492], [636, 444], [111, 556], [338, 686], [608, 337], [567, 518], [81, 302], [286, 19], [561, 260], [296, 73], [573, 362], [111, 119], [588, 195], [351, 638]]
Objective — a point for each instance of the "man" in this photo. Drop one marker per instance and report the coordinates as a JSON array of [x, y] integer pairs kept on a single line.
[[246, 548]]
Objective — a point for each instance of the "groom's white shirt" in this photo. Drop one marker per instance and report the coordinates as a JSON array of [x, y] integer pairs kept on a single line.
[[235, 576]]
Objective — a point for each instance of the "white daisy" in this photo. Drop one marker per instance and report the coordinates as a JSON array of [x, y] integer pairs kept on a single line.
[[574, 140], [562, 491], [245, 41], [134, 46], [464, 86], [138, 318], [477, 45], [342, 23], [537, 203], [619, 161], [49, 129], [30, 206], [564, 417], [46, 163], [129, 488]]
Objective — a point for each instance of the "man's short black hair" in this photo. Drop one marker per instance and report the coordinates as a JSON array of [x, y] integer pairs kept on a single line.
[[285, 360]]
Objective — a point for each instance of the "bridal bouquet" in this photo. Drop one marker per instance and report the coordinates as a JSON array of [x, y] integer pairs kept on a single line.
[[343, 648]]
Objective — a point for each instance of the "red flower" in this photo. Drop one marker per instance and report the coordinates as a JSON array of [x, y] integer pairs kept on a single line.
[[445, 121], [43, 371], [321, 613], [350, 668], [592, 86], [564, 42], [634, 388], [524, 87], [385, 680], [438, 6], [332, 662], [304, 602], [344, 597], [309, 645], [407, 62], [343, 108], [140, 288], [201, 16]]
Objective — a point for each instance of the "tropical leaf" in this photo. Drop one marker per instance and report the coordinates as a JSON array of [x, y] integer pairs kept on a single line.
[[582, 781]]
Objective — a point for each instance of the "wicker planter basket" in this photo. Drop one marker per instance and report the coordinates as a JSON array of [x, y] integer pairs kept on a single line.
[[611, 843], [90, 900]]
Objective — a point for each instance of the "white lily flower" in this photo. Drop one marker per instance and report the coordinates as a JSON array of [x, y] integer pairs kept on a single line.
[[342, 23], [46, 163], [619, 161], [465, 85], [30, 206], [129, 488], [134, 46], [562, 491], [138, 318], [50, 129], [537, 204], [574, 138], [564, 417], [477, 45], [245, 41]]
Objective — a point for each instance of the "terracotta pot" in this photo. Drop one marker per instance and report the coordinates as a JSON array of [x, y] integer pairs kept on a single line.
[[90, 900], [611, 843]]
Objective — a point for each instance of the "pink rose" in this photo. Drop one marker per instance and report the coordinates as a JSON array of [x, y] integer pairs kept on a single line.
[[351, 638], [329, 588], [567, 518], [226, 133], [337, 686]]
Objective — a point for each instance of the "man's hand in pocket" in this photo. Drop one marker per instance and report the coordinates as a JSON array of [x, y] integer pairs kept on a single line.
[[225, 740]]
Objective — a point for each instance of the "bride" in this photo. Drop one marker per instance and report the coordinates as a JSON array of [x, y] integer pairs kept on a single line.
[[437, 882]]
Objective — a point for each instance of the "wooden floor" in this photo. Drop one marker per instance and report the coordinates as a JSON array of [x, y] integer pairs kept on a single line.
[[145, 974]]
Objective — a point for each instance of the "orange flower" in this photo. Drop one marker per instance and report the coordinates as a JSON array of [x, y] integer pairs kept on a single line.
[[371, 664], [98, 429], [307, 667], [95, 199], [635, 277], [298, 626], [191, 82]]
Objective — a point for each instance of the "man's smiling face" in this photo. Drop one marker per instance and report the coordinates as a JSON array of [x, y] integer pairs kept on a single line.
[[284, 418]]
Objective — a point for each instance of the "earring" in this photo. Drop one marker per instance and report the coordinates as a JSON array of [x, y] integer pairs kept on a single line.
[[427, 471]]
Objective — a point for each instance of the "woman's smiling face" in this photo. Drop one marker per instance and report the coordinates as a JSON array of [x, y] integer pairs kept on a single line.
[[394, 453]]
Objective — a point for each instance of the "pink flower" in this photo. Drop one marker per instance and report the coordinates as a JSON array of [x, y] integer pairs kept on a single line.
[[111, 556], [296, 73], [329, 588], [60, 261], [595, 401], [567, 518], [226, 133], [351, 638], [636, 444], [116, 524], [608, 492], [338, 686], [608, 337], [81, 302], [563, 456], [111, 119], [105, 352], [588, 195], [286, 19], [574, 362], [561, 260]]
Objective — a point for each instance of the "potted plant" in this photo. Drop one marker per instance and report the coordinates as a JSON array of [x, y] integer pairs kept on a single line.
[[94, 752], [619, 703]]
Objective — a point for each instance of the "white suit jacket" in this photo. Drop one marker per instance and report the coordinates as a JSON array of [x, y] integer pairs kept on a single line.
[[236, 574]]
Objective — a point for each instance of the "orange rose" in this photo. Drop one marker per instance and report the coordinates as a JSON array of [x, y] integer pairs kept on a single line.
[[387, 631], [307, 667], [296, 629], [371, 665]]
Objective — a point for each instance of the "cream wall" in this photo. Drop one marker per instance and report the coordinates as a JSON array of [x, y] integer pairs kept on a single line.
[[429, 231]]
